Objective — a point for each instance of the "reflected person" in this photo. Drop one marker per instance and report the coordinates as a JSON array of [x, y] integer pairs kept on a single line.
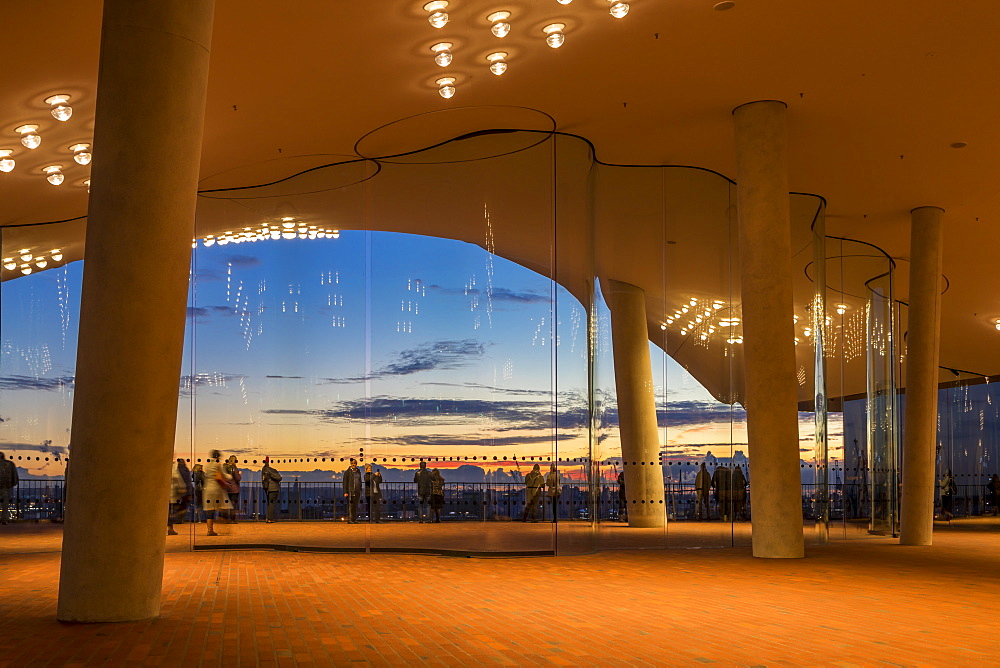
[[739, 494], [270, 480], [622, 497], [180, 496], [423, 479], [352, 490], [373, 493], [8, 481], [948, 489], [722, 481], [993, 487], [553, 481], [534, 483]]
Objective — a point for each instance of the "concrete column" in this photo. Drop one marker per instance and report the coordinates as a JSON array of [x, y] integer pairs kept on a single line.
[[147, 145], [922, 352], [768, 333], [636, 405]]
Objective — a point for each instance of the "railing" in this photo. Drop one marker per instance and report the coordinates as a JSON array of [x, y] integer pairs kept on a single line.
[[43, 500]]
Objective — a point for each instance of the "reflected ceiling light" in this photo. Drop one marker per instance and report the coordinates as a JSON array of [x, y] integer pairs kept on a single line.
[[60, 110], [86, 182], [25, 269], [498, 62], [288, 233], [438, 18], [209, 240], [663, 326], [806, 331], [56, 255], [55, 175], [618, 9], [564, 2], [442, 53], [29, 136], [41, 262], [333, 233], [81, 153], [554, 34], [500, 26], [841, 309], [25, 255], [446, 87], [997, 322], [724, 5], [6, 162], [8, 263]]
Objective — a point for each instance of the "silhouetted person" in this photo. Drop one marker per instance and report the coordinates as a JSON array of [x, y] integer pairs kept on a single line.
[[352, 490], [534, 483], [180, 495], [739, 494], [373, 493], [722, 481], [437, 494], [948, 489], [993, 487], [215, 494], [8, 481], [232, 469], [198, 477], [622, 497], [270, 480], [423, 479], [553, 484], [702, 491]]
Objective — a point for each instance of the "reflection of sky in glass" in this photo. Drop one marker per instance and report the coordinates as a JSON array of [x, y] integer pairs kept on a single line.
[[385, 344]]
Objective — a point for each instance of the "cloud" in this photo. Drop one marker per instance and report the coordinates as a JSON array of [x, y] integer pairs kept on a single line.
[[435, 355], [241, 260], [33, 383], [496, 294], [204, 312], [288, 377], [493, 388], [437, 440], [45, 447]]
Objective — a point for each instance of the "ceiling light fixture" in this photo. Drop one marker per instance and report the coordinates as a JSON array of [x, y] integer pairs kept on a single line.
[[446, 87], [618, 9], [6, 162], [564, 2], [41, 262], [442, 53], [554, 34], [500, 26], [25, 255], [438, 18], [498, 62], [29, 136], [55, 175], [82, 154], [60, 110]]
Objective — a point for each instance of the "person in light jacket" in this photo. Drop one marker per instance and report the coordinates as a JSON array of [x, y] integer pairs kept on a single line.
[[553, 481], [534, 483], [271, 481], [215, 498]]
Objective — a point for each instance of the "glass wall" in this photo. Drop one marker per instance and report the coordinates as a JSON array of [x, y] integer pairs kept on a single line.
[[439, 318]]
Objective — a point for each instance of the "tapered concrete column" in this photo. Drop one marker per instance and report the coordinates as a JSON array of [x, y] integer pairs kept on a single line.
[[636, 405], [147, 146], [768, 334], [916, 517]]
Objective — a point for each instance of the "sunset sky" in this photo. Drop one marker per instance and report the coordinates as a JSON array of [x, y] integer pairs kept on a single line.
[[388, 344]]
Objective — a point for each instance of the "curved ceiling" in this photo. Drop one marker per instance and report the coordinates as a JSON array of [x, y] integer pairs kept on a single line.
[[877, 92]]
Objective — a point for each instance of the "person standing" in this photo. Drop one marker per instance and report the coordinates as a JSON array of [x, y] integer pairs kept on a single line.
[[622, 497], [215, 496], [423, 479], [948, 489], [373, 493], [232, 469], [271, 481], [534, 483], [437, 494], [993, 487], [352, 490], [739, 494], [180, 496], [722, 481], [8, 481], [198, 477], [553, 481]]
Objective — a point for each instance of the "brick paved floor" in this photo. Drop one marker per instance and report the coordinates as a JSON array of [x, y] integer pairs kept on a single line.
[[850, 603]]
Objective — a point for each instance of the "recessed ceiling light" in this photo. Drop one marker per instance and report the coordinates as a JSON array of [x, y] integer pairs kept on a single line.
[[724, 5], [959, 144]]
